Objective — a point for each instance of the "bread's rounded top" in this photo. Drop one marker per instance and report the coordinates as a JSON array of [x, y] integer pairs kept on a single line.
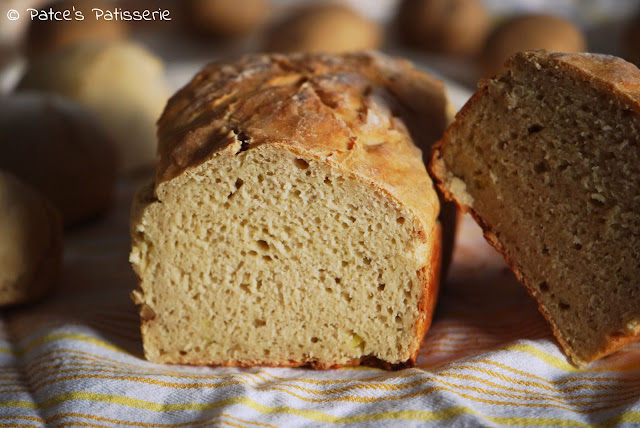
[[353, 111], [610, 74]]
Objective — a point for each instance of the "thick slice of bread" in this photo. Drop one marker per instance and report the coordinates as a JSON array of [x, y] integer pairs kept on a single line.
[[546, 158], [291, 221]]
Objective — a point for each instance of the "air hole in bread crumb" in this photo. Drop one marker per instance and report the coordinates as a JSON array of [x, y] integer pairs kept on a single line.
[[541, 167], [366, 260], [381, 287], [564, 306], [259, 323], [577, 246], [329, 290], [301, 163], [535, 128], [183, 352], [543, 286], [314, 340], [267, 258], [400, 220], [262, 245], [239, 183], [245, 288], [327, 180], [338, 280]]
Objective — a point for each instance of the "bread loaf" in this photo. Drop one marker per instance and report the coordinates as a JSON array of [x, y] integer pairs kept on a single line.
[[546, 157], [31, 244], [291, 221]]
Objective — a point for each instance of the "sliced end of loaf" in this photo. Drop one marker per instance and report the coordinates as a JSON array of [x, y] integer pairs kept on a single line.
[[546, 158], [269, 257]]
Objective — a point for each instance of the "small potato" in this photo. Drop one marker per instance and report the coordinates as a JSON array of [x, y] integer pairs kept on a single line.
[[31, 244], [45, 36], [122, 83], [226, 18], [324, 27], [59, 148], [454, 27], [526, 33]]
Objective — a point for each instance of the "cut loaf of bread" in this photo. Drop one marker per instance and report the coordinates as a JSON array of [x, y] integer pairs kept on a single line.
[[546, 157], [292, 221]]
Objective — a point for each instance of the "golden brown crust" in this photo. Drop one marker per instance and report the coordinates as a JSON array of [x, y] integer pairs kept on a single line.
[[313, 104], [431, 277], [607, 73]]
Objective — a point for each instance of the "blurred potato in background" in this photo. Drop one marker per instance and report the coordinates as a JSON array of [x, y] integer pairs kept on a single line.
[[226, 18], [632, 41], [453, 27], [31, 245], [45, 36], [323, 27], [121, 82], [527, 32], [59, 148]]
